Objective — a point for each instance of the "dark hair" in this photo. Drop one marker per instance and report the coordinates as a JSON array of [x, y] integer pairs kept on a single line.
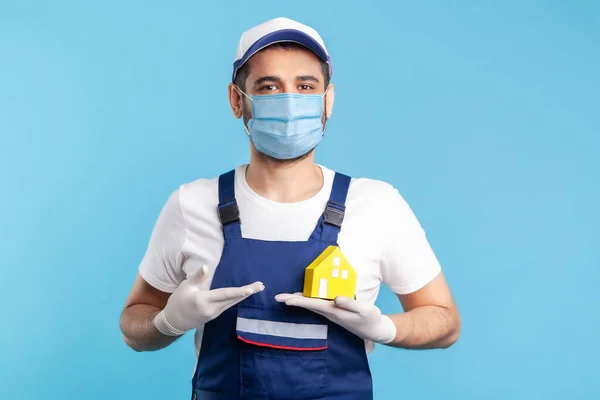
[[244, 71]]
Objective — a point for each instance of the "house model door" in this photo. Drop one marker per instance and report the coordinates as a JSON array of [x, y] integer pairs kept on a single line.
[[323, 287]]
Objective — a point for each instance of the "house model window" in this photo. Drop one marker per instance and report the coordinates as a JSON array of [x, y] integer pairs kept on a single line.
[[330, 275]]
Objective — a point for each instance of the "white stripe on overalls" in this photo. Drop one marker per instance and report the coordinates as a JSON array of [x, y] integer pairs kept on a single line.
[[282, 329]]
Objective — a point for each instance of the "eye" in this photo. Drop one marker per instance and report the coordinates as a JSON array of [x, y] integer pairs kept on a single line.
[[268, 88], [306, 87]]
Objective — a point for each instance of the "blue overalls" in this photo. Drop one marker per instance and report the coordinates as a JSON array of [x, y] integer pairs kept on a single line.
[[262, 349]]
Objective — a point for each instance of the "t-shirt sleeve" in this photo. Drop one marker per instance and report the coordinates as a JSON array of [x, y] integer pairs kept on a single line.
[[161, 265], [408, 262]]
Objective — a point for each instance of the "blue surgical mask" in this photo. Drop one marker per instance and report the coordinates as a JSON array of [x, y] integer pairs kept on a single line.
[[286, 125]]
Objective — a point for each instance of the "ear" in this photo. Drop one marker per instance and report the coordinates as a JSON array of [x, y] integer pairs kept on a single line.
[[329, 98], [235, 100]]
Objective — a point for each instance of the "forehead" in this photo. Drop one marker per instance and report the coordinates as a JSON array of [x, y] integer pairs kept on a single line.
[[284, 63]]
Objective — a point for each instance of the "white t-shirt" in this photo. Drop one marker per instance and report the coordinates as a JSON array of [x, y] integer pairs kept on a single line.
[[380, 236]]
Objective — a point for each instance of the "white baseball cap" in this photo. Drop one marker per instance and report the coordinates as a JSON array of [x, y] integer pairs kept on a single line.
[[276, 31]]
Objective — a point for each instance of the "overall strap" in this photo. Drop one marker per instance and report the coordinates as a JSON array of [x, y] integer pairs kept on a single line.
[[229, 213], [332, 218]]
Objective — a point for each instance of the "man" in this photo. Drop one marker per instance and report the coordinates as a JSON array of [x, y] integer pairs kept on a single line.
[[227, 256]]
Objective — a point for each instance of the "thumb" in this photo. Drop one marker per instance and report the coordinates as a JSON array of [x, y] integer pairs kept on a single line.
[[199, 275], [350, 304]]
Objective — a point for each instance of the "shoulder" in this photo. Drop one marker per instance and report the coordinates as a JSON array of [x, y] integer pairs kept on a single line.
[[374, 192], [379, 201], [371, 188], [200, 195], [198, 189], [363, 188]]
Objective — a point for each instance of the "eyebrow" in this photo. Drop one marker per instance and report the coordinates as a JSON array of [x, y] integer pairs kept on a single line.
[[305, 78], [264, 79], [302, 78]]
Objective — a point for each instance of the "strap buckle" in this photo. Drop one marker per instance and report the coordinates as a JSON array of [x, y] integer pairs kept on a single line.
[[334, 213], [229, 212]]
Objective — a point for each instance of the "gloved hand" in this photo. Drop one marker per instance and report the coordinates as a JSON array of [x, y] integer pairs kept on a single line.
[[363, 319], [190, 306]]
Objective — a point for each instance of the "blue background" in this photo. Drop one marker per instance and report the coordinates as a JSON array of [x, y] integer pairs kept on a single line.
[[485, 115]]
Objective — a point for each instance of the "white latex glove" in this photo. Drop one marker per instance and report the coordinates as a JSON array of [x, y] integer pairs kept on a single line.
[[190, 306], [363, 319]]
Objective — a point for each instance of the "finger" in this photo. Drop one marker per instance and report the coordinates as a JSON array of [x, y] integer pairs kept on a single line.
[[235, 293], [370, 346], [317, 305], [249, 291], [350, 304], [199, 275], [283, 297]]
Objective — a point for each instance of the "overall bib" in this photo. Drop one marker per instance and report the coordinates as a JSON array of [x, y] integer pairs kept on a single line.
[[261, 349]]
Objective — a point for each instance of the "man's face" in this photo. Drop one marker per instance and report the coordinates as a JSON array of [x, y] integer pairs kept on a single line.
[[276, 70]]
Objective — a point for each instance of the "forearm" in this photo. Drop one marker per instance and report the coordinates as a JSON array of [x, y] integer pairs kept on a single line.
[[139, 331], [426, 327]]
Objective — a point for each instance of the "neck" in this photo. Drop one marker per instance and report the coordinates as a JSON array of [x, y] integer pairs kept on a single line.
[[284, 182]]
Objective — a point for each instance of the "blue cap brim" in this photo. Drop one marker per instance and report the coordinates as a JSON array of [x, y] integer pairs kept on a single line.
[[284, 35]]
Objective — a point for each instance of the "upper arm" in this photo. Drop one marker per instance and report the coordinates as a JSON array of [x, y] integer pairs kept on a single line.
[[409, 265], [434, 293], [407, 261], [160, 271], [144, 293], [162, 264]]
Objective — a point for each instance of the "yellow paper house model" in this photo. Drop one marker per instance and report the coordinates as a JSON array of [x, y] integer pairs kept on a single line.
[[329, 276]]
